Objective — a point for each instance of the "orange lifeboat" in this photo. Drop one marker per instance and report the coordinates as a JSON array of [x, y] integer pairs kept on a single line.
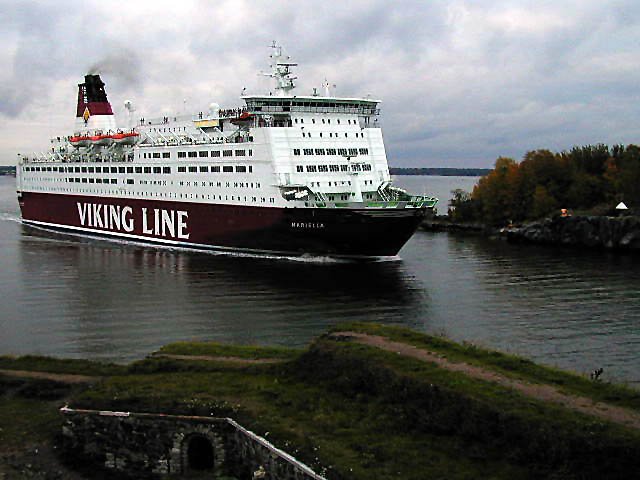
[[80, 140], [125, 138], [101, 139]]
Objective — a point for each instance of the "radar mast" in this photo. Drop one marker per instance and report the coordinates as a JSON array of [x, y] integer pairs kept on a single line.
[[281, 70]]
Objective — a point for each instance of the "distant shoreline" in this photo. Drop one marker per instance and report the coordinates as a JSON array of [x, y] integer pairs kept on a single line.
[[443, 172]]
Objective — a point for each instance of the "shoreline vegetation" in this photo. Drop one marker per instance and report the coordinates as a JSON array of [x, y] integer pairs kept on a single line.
[[567, 198], [362, 401]]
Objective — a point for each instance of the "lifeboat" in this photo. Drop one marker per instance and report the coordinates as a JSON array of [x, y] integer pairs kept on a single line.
[[242, 119], [80, 140], [101, 139], [125, 138]]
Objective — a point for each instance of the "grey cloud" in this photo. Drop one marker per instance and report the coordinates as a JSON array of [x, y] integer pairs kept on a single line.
[[456, 85]]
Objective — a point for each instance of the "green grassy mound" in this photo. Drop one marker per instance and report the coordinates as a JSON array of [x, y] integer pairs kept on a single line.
[[352, 411]]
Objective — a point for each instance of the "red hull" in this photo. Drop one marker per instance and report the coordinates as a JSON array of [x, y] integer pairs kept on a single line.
[[218, 226]]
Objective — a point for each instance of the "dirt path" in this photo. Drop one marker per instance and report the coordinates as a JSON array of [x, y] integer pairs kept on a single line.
[[58, 377], [210, 358], [547, 393]]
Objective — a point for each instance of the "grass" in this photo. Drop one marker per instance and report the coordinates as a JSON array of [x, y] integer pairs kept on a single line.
[[214, 349], [357, 412], [510, 365], [39, 363]]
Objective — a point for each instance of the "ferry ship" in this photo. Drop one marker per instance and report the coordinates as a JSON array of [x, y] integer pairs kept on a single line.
[[282, 174]]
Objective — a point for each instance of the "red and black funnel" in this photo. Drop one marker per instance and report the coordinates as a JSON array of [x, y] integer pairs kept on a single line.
[[92, 98]]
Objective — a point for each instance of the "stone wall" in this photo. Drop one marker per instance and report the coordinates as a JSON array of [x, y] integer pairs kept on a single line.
[[612, 233], [144, 445]]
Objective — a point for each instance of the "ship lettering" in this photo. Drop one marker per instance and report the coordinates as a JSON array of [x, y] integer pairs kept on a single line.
[[160, 222], [306, 225], [165, 223]]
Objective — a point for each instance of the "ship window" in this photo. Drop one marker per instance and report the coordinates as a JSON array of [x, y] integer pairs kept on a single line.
[[250, 169], [338, 121], [129, 169], [296, 151], [334, 168], [166, 169], [320, 151], [299, 168], [90, 169], [240, 153], [344, 168], [182, 154], [342, 151], [182, 169], [84, 169], [156, 154], [129, 181], [308, 151], [227, 153], [193, 169], [364, 151], [91, 180], [366, 167], [312, 168], [215, 168], [323, 168], [227, 168], [84, 180], [331, 151], [215, 153], [98, 169], [353, 151], [204, 169], [328, 120], [157, 170], [138, 169], [147, 169], [355, 167], [241, 168], [313, 120], [250, 153], [166, 154], [98, 180]]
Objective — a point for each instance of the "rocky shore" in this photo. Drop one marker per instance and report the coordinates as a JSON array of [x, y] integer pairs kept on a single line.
[[610, 233], [589, 231]]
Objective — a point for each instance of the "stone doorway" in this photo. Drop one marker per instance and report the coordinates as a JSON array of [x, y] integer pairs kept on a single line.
[[199, 453]]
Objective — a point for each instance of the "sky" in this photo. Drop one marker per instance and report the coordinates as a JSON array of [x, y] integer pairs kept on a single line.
[[460, 82]]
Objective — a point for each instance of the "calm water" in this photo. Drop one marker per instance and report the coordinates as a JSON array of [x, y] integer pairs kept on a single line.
[[86, 298]]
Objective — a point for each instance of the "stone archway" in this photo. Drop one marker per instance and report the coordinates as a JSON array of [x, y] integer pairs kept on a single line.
[[199, 453]]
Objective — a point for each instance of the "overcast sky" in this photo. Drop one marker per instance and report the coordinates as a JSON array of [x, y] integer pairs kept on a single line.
[[461, 82]]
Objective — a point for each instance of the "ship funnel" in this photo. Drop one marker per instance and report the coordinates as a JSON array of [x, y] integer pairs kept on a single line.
[[94, 110]]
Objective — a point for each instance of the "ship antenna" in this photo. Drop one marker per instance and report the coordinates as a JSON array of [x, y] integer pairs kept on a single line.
[[281, 70]]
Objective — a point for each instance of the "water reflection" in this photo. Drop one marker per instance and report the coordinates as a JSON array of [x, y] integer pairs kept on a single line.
[[121, 301]]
